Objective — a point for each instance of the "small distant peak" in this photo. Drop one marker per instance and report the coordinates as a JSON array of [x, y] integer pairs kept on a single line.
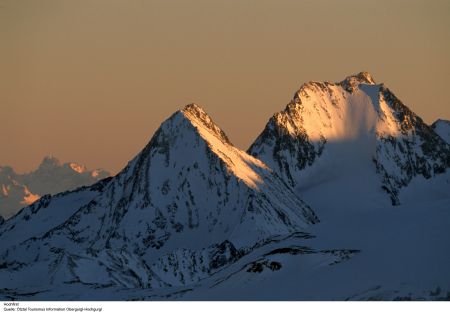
[[50, 161], [350, 83]]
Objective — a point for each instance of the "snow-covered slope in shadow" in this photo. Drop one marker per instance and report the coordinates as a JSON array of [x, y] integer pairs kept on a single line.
[[442, 128]]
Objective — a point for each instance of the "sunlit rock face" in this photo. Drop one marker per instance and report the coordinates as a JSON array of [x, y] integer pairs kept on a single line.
[[51, 177]]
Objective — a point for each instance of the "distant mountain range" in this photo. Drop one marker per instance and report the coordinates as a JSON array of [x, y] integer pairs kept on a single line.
[[51, 177], [345, 195]]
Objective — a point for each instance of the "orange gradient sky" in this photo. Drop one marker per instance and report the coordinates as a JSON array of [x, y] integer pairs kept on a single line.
[[90, 81]]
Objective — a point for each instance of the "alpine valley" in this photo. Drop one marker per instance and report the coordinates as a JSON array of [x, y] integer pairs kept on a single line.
[[345, 195]]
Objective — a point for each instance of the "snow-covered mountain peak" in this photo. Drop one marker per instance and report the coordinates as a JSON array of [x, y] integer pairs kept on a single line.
[[187, 173], [193, 124], [327, 121], [327, 111]]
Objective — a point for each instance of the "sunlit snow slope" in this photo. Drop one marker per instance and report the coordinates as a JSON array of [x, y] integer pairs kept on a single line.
[[354, 138]]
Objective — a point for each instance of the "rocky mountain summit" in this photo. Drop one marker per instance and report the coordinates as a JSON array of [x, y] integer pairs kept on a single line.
[[352, 121]]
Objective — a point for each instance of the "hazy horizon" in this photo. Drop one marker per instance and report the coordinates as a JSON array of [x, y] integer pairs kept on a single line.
[[90, 82]]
